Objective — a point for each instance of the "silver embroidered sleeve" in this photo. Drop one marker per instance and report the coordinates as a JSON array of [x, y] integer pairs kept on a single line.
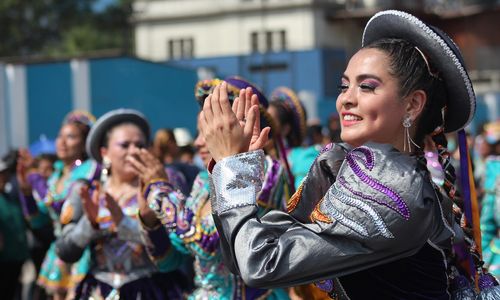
[[236, 180]]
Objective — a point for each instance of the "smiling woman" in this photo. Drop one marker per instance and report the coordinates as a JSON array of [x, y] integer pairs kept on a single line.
[[370, 104], [43, 198], [367, 222], [104, 217]]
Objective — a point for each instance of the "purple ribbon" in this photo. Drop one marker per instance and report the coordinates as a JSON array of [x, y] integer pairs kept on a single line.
[[464, 174]]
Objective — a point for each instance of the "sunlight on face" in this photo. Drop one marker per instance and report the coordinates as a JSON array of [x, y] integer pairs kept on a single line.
[[202, 148], [369, 104], [124, 140], [69, 143]]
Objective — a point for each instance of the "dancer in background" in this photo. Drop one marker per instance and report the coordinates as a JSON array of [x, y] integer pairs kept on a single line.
[[188, 225], [42, 199], [290, 114], [13, 242], [490, 213], [104, 218]]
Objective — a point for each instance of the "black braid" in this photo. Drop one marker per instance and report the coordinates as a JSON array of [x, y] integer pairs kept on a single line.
[[458, 204]]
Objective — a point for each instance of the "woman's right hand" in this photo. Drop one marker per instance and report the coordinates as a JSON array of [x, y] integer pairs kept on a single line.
[[224, 133], [24, 163], [147, 215], [90, 203], [148, 168]]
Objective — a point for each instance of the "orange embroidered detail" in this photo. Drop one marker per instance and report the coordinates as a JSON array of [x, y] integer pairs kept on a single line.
[[292, 203], [318, 215], [67, 214]]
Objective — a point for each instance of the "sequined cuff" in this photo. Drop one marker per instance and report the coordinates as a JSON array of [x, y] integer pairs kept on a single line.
[[236, 180], [158, 198]]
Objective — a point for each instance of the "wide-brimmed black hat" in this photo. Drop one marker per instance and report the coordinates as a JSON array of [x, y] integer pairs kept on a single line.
[[444, 57], [97, 134]]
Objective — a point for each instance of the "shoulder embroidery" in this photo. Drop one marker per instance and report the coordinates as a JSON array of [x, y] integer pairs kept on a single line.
[[67, 214], [367, 160], [341, 192], [318, 215], [292, 203]]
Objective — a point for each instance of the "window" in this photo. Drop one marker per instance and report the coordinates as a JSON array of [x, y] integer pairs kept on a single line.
[[180, 48], [268, 41]]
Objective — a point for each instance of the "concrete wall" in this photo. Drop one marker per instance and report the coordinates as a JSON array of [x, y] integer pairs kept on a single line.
[[219, 32]]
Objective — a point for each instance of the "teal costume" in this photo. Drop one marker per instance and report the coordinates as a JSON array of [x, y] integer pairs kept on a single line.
[[301, 159], [490, 216], [193, 234], [45, 206]]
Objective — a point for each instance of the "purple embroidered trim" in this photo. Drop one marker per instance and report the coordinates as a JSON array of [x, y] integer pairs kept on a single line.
[[368, 162], [486, 281], [326, 148], [209, 242], [325, 285], [346, 185], [272, 179], [368, 158], [184, 221]]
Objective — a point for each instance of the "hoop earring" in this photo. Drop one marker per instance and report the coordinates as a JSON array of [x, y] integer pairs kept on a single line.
[[407, 122]]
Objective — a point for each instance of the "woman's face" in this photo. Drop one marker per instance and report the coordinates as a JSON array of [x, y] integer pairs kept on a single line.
[[369, 104], [45, 168], [202, 148], [70, 143], [124, 140]]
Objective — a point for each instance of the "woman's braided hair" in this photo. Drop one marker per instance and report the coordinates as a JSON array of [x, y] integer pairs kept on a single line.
[[412, 69]]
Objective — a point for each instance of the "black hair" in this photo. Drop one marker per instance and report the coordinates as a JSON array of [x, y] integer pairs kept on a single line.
[[409, 66], [84, 131], [414, 72], [286, 116]]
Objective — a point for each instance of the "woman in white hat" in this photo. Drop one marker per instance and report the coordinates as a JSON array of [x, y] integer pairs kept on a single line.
[[104, 219]]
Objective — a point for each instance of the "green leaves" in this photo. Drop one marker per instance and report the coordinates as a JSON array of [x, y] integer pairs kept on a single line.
[[58, 28]]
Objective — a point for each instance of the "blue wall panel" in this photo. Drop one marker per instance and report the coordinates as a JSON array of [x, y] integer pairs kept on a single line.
[[48, 98], [164, 94], [315, 71]]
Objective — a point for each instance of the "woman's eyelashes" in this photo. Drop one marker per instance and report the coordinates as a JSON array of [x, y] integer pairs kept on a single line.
[[125, 145], [369, 85], [365, 86], [342, 87]]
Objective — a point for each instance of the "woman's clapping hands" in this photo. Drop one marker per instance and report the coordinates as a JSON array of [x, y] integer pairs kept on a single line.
[[231, 130]]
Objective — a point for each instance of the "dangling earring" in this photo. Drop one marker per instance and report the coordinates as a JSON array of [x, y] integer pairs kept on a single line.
[[407, 122], [106, 169]]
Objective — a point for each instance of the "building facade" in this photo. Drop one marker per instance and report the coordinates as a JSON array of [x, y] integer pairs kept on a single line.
[[304, 44]]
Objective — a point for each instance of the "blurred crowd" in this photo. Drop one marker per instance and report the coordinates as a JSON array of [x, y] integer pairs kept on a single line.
[[74, 223]]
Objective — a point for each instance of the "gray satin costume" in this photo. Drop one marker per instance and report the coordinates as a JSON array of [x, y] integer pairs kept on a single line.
[[358, 210]]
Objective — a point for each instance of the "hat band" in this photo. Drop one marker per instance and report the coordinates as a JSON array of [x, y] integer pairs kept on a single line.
[[434, 74]]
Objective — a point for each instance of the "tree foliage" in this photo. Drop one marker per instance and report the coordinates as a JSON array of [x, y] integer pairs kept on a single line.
[[63, 27]]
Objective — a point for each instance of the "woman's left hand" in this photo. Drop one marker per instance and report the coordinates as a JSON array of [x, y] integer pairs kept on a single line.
[[147, 215], [224, 134], [147, 166], [114, 209]]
